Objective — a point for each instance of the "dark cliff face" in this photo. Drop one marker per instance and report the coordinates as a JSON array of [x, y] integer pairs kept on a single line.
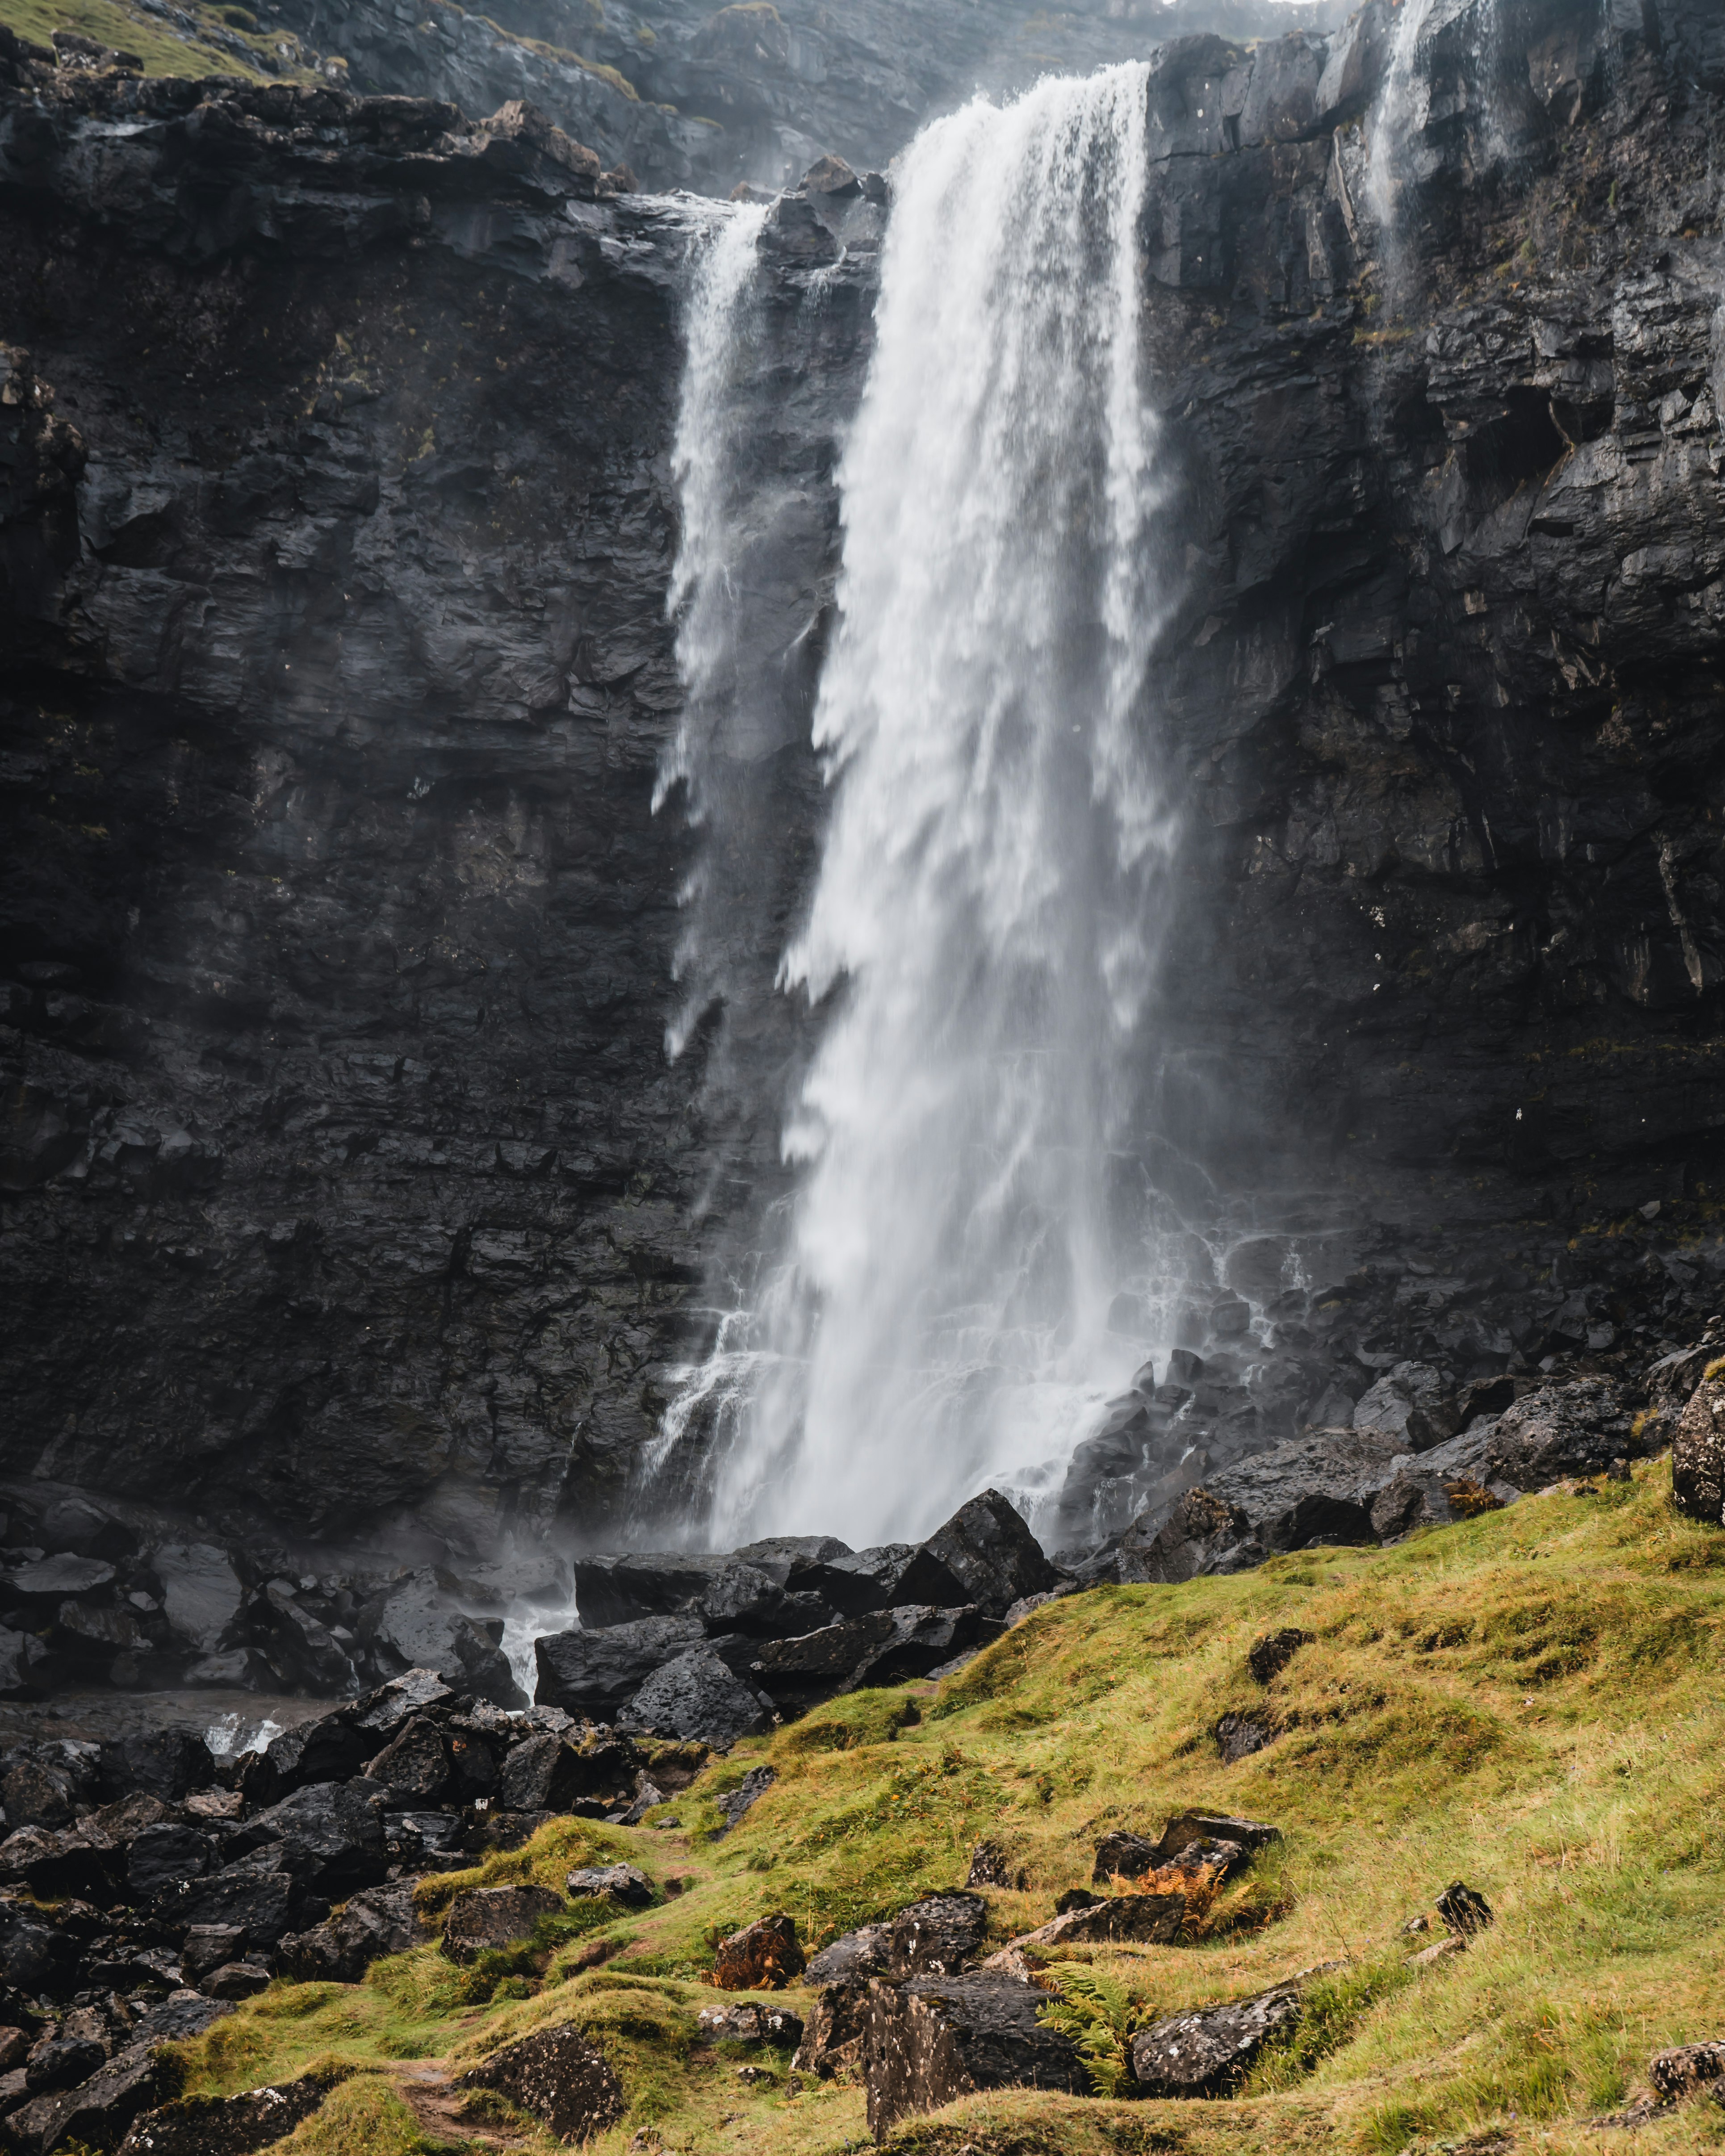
[[347, 1174]]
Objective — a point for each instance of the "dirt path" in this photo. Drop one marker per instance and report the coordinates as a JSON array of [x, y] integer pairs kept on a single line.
[[428, 2089]]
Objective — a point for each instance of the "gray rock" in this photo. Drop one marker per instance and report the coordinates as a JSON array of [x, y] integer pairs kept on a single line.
[[378, 1921], [989, 1550], [328, 1833], [55, 1578], [621, 1883], [929, 2041], [697, 1696], [597, 1672], [201, 1592], [493, 1916], [560, 2077], [936, 1937], [417, 1623], [1210, 2050], [736, 1804]]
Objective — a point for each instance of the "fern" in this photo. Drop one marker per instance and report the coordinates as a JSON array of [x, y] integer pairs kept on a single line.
[[1099, 2015]]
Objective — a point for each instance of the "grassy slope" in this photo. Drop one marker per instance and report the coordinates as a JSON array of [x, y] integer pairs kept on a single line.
[[1531, 1702], [163, 47]]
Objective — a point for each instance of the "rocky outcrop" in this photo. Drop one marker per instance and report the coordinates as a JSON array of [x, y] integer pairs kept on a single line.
[[927, 2042], [1698, 1451], [560, 2075]]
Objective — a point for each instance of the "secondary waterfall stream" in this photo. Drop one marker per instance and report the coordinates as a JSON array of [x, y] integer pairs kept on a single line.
[[933, 1310]]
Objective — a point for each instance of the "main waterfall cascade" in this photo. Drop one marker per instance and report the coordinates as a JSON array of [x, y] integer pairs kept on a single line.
[[969, 1262]]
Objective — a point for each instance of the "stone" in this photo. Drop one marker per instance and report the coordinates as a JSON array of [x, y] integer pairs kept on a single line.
[[1238, 1736], [736, 1804], [1268, 1657], [1186, 1827], [236, 1980], [415, 1691], [833, 177], [597, 1673], [20, 1654], [559, 2076], [261, 1904], [1687, 2071], [36, 1794], [809, 1667], [764, 1956], [328, 1833], [541, 1774], [990, 1551], [377, 1921], [621, 1883], [891, 1575], [1208, 2051], [697, 1696], [1154, 1919], [329, 1750], [935, 2039], [98, 2112], [163, 1859], [490, 1918], [206, 1947], [165, 1763], [611, 1592], [1464, 1911], [224, 2125], [991, 1867], [417, 1623], [854, 1958], [936, 1937], [14, 2049], [736, 2024], [201, 1593], [1123, 1855], [53, 1578], [922, 1639], [60, 2062], [414, 1767], [1698, 1452]]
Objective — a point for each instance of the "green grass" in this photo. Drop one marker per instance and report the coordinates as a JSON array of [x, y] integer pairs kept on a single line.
[[1531, 1702], [163, 48]]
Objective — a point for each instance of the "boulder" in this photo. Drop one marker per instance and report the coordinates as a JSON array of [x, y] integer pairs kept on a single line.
[[414, 1767], [936, 2038], [540, 1774], [201, 1593], [206, 1947], [164, 1859], [743, 2024], [854, 1958], [890, 1575], [1152, 1919], [1208, 2051], [697, 1696], [1464, 1911], [596, 1673], [559, 2076], [261, 1904], [921, 1639], [764, 1956], [62, 2062], [224, 2125], [621, 1883], [36, 1793], [20, 1652], [989, 1550], [812, 1666], [415, 1691], [1186, 1827], [416, 1622], [1123, 1855], [329, 1750], [1698, 1453], [614, 1591], [165, 1763], [328, 1834], [991, 1867], [1238, 1736], [1409, 1405], [1268, 1657], [52, 1580], [936, 1937], [379, 1921], [236, 1980], [490, 1918], [1577, 1428]]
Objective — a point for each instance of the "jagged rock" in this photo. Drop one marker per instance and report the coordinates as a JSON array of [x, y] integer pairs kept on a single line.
[[1123, 1855], [415, 1691], [540, 1773], [597, 1673], [621, 1883], [1464, 1910], [328, 1833], [929, 2041], [1686, 2071], [736, 1803], [58, 2062], [1186, 1827], [799, 1670], [416, 1624], [236, 1980], [1697, 1454], [414, 1767], [38, 1795], [20, 1654], [224, 2125], [206, 1947], [989, 1550], [611, 1592], [260, 1903], [1408, 1405], [1268, 1657], [52, 1580], [991, 1867], [750, 2025], [921, 1642], [1238, 1736], [201, 1592], [936, 1937], [1208, 2051], [379, 1921], [493, 1916], [764, 1956], [163, 1859], [697, 1696], [559, 2076], [1156, 1919], [853, 1958]]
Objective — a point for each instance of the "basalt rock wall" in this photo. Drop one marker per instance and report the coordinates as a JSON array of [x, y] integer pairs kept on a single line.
[[346, 1177]]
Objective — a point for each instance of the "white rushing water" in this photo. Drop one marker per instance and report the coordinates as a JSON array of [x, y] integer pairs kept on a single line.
[[981, 938]]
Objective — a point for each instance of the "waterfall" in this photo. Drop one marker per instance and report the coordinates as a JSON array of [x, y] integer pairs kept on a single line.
[[980, 942], [1410, 102]]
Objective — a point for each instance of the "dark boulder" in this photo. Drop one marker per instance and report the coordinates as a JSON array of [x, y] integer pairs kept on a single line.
[[1186, 1827], [921, 1640], [936, 1937], [164, 1859], [1697, 1456], [891, 1574], [853, 1958], [989, 1550], [991, 1867], [224, 2125], [597, 1673], [764, 1956], [260, 1903], [414, 1691], [559, 2076], [1208, 2051], [1154, 1919], [236, 1980], [97, 2112], [540, 1773], [697, 1696], [1687, 2069], [1464, 1911], [1123, 1855], [612, 1591], [61, 2062], [414, 1767], [50, 1580], [493, 1916], [936, 2038], [810, 1666], [328, 1834], [1239, 1736], [165, 1763], [379, 1921], [416, 1624], [621, 1883], [330, 1749], [35, 1794]]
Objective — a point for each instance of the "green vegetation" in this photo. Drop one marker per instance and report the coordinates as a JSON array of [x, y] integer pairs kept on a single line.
[[162, 46], [1529, 1701]]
